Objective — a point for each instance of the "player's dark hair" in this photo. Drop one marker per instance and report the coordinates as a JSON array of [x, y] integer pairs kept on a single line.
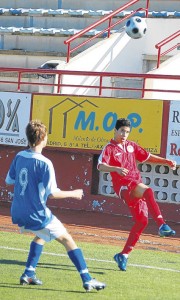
[[35, 132], [122, 122]]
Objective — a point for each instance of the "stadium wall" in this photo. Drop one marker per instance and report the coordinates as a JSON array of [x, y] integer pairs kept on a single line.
[[75, 155]]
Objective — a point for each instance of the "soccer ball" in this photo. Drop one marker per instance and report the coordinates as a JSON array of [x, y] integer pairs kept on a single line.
[[136, 27]]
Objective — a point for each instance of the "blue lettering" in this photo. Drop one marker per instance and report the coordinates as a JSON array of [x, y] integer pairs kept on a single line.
[[85, 122], [109, 121], [135, 119]]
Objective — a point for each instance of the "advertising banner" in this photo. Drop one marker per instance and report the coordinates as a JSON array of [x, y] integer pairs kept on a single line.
[[88, 122], [14, 116], [173, 141]]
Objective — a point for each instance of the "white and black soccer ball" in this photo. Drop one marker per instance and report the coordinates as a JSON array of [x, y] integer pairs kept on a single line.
[[136, 27]]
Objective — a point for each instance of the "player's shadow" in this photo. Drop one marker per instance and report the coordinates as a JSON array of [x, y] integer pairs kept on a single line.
[[11, 262], [69, 268], [62, 267], [30, 287]]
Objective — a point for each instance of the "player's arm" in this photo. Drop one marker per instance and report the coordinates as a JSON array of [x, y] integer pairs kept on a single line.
[[59, 194], [157, 159], [10, 177], [9, 180], [103, 167]]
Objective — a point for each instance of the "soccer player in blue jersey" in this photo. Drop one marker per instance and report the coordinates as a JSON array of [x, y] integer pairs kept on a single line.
[[33, 177]]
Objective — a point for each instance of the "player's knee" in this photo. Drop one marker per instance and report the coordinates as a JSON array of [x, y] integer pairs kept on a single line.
[[63, 238], [148, 193], [39, 241]]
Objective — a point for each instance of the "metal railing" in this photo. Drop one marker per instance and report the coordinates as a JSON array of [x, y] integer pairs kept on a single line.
[[106, 30], [19, 77], [165, 42]]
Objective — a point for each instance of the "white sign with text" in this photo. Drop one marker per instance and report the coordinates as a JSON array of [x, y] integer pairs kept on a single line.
[[14, 116], [173, 140]]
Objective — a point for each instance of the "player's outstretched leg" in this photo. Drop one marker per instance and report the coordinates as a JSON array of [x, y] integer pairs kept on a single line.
[[164, 229]]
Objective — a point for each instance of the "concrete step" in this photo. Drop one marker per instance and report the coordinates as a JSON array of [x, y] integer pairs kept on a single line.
[[46, 40], [114, 4], [158, 5], [28, 59], [45, 31], [58, 20], [53, 4], [66, 19]]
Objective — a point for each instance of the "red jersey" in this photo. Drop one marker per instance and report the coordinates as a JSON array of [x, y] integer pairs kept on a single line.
[[124, 156]]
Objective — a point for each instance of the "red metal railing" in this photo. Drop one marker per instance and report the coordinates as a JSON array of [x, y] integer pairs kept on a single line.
[[20, 75], [164, 42], [107, 29]]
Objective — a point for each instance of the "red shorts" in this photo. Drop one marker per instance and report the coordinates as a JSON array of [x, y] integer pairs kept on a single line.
[[128, 188], [137, 206]]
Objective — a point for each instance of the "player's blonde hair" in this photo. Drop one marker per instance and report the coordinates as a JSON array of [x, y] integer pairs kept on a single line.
[[35, 132]]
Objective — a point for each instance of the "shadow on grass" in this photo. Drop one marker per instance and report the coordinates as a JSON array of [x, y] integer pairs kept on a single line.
[[71, 268], [11, 262], [95, 270], [35, 287]]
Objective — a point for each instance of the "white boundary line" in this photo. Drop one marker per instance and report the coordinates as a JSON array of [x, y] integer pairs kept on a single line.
[[93, 259]]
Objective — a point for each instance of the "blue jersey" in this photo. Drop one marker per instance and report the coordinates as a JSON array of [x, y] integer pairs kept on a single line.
[[34, 180]]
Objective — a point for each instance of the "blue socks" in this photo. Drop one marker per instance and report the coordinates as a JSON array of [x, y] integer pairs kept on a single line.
[[77, 258], [33, 258]]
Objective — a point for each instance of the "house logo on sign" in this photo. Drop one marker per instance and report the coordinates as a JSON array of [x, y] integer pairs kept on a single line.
[[81, 116]]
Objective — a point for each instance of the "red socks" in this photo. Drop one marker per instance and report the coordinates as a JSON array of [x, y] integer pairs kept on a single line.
[[153, 207]]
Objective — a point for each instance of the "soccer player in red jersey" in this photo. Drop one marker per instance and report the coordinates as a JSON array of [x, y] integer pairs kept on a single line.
[[119, 158]]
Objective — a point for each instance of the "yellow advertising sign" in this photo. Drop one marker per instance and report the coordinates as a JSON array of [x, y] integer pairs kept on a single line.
[[88, 122]]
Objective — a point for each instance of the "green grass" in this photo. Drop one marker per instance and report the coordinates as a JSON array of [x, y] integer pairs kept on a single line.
[[61, 280]]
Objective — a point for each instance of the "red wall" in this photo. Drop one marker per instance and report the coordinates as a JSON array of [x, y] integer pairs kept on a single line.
[[77, 170]]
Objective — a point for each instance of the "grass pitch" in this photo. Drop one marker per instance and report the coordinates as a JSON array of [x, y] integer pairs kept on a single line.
[[151, 275]]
